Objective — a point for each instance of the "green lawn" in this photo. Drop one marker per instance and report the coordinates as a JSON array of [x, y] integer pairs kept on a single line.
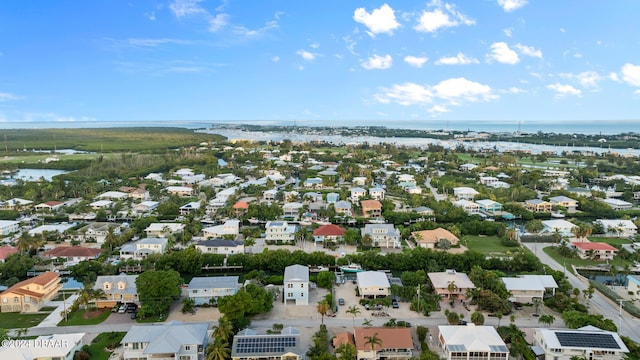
[[610, 240], [92, 317], [551, 251], [486, 244], [19, 321], [96, 349]]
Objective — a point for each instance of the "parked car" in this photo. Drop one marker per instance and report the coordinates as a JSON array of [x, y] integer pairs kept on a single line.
[[134, 315], [394, 304], [132, 308], [116, 307], [341, 301], [462, 322], [122, 309], [402, 323], [517, 305]]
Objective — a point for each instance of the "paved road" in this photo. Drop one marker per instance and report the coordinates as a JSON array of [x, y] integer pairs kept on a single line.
[[434, 191], [630, 326]]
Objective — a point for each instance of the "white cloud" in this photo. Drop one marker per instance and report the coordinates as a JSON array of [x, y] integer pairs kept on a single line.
[[151, 16], [614, 77], [508, 31], [254, 33], [378, 62], [306, 55], [275, 58], [450, 92], [218, 22], [460, 59], [516, 90], [562, 90], [379, 21], [631, 74], [501, 53], [510, 5], [529, 51], [155, 42], [415, 60], [8, 97], [587, 79], [314, 45], [442, 16], [183, 8], [350, 44], [637, 92]]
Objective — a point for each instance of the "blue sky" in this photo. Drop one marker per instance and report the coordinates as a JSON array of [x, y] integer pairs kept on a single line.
[[335, 62]]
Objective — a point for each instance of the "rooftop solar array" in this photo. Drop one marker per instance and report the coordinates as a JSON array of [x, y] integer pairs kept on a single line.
[[498, 348], [457, 348], [271, 344], [601, 341]]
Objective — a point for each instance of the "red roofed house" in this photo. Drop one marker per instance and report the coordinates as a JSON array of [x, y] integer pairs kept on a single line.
[[595, 250], [5, 251], [371, 208], [329, 233], [49, 206], [72, 254], [241, 208], [396, 343], [31, 294]]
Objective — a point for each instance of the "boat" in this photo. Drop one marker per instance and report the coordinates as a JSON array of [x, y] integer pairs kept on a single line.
[[351, 268], [317, 269], [557, 215]]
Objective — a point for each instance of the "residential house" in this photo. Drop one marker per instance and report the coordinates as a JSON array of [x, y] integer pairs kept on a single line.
[[617, 204], [117, 288], [469, 207], [96, 232], [357, 193], [467, 167], [595, 250], [619, 228], [229, 228], [181, 191], [45, 347], [113, 195], [249, 345], [6, 251], [30, 295], [292, 209], [382, 235], [488, 180], [220, 246], [50, 206], [528, 287], [329, 233], [296, 284], [343, 207], [395, 343], [430, 239], [173, 340], [141, 249], [332, 198], [280, 231], [489, 206], [465, 193], [588, 342], [538, 206], [163, 229], [451, 284], [139, 194], [51, 228], [633, 285], [371, 208], [377, 193], [207, 290], [188, 208], [72, 254], [373, 284], [145, 207], [240, 208], [8, 227], [359, 181], [423, 210], [269, 195], [472, 342], [562, 227], [566, 202], [16, 204], [101, 204], [413, 190], [313, 183]]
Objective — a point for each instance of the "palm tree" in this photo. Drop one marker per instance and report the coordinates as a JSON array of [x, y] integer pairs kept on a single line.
[[537, 302], [323, 309], [353, 310], [547, 319], [373, 340], [218, 350], [453, 288], [477, 318], [499, 316], [346, 351], [111, 238], [367, 323], [24, 242], [224, 330]]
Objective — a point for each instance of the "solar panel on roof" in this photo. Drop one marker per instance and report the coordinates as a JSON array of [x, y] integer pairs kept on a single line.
[[601, 341], [457, 348], [498, 348], [264, 344]]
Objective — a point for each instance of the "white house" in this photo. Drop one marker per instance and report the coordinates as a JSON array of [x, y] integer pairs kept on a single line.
[[9, 227], [526, 288], [142, 248], [207, 290], [563, 227], [469, 207], [343, 207], [220, 246], [113, 195], [377, 193], [382, 235], [117, 288], [472, 342], [617, 204], [280, 231], [181, 191], [465, 193], [163, 229], [373, 284], [145, 207], [101, 204], [357, 193], [229, 228], [566, 202], [55, 346], [619, 228], [186, 209], [173, 340], [296, 284], [587, 342]]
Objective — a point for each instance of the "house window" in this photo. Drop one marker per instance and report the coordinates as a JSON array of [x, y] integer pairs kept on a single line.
[[290, 286], [289, 294], [187, 347], [107, 286], [302, 286], [15, 299], [135, 346]]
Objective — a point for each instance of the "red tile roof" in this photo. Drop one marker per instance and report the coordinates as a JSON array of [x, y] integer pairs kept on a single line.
[[42, 280], [343, 337], [72, 251], [241, 205], [329, 230], [371, 204], [594, 246], [53, 203], [392, 338], [5, 251]]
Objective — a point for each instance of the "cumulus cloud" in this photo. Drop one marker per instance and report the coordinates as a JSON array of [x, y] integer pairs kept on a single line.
[[614, 77], [379, 21], [450, 92], [562, 90], [516, 90], [501, 53], [510, 5], [631, 74], [587, 79], [218, 22], [183, 8], [442, 15], [460, 59], [415, 60], [529, 51], [378, 62], [306, 55]]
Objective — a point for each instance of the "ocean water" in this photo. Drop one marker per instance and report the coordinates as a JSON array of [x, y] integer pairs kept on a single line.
[[604, 127]]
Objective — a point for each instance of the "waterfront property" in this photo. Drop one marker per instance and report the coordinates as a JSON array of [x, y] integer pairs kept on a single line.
[[395, 343], [587, 342], [373, 284], [371, 208], [117, 288], [433, 239], [562, 227], [207, 290], [141, 249], [566, 202], [451, 284], [538, 206], [220, 246], [280, 231], [595, 250], [30, 295], [472, 342], [173, 340], [525, 288], [9, 227], [329, 233], [618, 227], [249, 345], [382, 235], [296, 284]]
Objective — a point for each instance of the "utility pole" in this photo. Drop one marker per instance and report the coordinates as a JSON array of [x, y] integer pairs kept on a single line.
[[620, 314]]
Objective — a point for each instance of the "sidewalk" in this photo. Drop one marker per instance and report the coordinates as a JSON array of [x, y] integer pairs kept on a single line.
[[54, 318]]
